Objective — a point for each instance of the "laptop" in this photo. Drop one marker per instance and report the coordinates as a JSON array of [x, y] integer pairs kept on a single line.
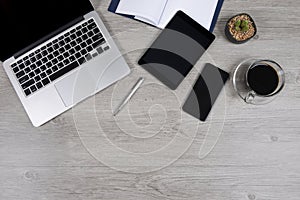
[[56, 53]]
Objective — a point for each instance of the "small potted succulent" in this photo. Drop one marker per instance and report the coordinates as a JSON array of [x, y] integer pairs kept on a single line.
[[240, 28]]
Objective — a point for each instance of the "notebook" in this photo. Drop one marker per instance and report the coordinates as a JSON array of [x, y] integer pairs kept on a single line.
[[159, 12]]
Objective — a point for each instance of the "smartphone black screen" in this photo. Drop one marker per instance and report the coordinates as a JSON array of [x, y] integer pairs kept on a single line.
[[176, 50], [205, 92]]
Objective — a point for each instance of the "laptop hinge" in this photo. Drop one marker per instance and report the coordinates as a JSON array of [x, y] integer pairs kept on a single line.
[[49, 36]]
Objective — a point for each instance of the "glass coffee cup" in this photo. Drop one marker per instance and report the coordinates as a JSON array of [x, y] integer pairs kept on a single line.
[[258, 81]]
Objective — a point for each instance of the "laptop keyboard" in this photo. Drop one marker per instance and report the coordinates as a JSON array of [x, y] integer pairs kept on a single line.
[[60, 56]]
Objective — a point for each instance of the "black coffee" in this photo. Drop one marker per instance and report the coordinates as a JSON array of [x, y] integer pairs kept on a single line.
[[263, 79]]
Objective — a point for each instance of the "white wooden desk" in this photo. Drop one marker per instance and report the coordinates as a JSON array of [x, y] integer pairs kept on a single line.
[[256, 157]]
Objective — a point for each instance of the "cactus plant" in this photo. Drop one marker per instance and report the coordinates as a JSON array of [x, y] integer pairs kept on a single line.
[[241, 25], [240, 28]]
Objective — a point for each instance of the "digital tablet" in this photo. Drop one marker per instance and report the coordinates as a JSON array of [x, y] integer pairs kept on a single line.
[[205, 92], [176, 50]]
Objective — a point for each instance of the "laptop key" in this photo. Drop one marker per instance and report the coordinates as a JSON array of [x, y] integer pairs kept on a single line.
[[72, 51], [38, 63], [39, 85], [66, 61], [39, 56], [89, 41], [61, 50], [73, 43], [16, 69], [81, 60], [27, 92], [98, 43], [37, 71], [96, 30], [78, 27], [63, 71], [66, 54], [60, 65], [91, 26], [50, 57], [43, 75], [33, 66], [95, 54], [49, 71], [78, 40], [33, 88], [89, 48], [68, 40], [22, 66], [72, 58], [27, 62], [20, 74], [77, 55], [62, 43], [54, 61], [23, 79], [45, 81], [49, 64], [88, 57], [37, 78], [100, 50], [28, 84], [83, 52], [55, 53], [68, 47], [73, 36], [56, 46], [54, 68], [50, 49], [27, 70], [44, 60], [60, 58], [84, 37], [49, 44], [90, 33], [44, 53], [78, 33], [96, 37], [77, 48], [83, 45], [31, 74], [84, 30], [43, 68]]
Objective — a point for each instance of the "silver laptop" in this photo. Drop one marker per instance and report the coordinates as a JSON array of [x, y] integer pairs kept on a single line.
[[56, 53]]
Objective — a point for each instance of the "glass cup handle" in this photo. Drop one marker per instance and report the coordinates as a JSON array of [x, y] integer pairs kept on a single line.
[[250, 97]]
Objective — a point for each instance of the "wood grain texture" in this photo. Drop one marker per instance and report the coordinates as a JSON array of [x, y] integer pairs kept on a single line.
[[257, 155]]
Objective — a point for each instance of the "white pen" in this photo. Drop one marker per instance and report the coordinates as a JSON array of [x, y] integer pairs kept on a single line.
[[129, 95]]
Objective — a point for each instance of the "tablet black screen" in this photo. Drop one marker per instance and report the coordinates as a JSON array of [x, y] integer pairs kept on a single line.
[[205, 92], [176, 50]]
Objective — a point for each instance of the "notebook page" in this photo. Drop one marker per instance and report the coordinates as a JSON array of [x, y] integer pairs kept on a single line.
[[201, 11], [149, 11]]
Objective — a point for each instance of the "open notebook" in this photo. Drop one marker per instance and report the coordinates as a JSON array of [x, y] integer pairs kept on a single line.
[[159, 12]]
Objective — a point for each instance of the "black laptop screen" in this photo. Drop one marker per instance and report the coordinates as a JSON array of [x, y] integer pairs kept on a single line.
[[23, 22]]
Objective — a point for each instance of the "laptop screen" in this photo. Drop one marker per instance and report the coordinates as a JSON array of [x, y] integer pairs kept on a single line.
[[24, 22]]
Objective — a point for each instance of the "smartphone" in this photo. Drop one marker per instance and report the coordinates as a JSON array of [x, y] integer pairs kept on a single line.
[[205, 91], [176, 50]]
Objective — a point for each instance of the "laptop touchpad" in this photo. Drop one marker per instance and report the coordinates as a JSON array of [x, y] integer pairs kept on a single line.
[[76, 87]]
